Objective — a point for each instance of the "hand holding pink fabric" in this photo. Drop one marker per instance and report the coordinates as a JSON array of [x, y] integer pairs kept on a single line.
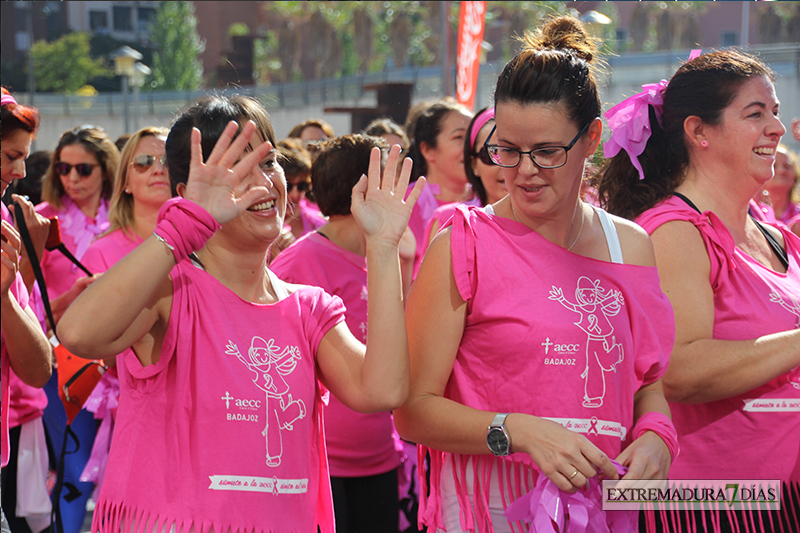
[[550, 510]]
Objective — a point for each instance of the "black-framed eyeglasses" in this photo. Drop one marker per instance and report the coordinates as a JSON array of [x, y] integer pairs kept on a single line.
[[302, 186], [547, 157], [84, 169], [142, 162]]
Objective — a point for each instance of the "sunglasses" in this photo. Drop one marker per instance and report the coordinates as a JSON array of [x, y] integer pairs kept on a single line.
[[302, 186], [143, 162], [84, 169], [483, 155]]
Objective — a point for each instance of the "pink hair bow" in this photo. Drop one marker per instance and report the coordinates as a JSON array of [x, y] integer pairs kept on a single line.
[[551, 510], [629, 122]]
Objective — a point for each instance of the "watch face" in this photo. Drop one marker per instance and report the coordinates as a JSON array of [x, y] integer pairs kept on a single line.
[[497, 441]]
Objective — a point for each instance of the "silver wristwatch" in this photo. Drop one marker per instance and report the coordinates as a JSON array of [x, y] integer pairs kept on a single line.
[[497, 437]]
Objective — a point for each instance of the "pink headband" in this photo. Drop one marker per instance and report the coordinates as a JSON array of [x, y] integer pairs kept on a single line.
[[629, 121], [480, 121], [8, 100]]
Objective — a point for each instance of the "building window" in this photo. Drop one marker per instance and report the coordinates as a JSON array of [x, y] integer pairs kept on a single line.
[[145, 15], [122, 18], [98, 20], [729, 38]]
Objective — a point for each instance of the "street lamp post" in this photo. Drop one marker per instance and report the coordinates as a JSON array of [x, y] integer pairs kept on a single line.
[[140, 72], [124, 65]]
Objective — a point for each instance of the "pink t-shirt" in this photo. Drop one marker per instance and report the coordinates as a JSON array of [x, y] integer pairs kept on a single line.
[[314, 260], [548, 333], [311, 216], [422, 213], [752, 435], [77, 233], [105, 251], [225, 430]]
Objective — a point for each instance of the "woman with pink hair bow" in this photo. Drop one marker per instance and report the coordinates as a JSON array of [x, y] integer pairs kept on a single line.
[[734, 283]]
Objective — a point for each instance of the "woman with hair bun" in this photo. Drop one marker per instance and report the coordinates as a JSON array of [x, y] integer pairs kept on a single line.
[[538, 317], [734, 283]]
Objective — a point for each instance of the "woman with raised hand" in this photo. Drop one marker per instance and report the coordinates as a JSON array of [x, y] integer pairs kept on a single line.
[[537, 328], [734, 283], [364, 478], [226, 361]]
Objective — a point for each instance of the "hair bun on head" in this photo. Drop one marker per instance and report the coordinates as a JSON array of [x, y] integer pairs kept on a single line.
[[563, 33]]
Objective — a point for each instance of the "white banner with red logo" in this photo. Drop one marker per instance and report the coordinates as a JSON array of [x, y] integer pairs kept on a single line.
[[471, 19]]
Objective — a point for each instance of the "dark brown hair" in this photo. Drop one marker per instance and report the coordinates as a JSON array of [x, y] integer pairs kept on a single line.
[[210, 115], [427, 129], [703, 87], [339, 164], [297, 131], [556, 65]]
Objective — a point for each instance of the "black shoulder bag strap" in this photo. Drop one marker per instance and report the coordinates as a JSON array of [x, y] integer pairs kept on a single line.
[[771, 240], [73, 493]]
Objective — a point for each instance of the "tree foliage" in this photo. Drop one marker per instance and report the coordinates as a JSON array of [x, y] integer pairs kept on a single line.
[[176, 61], [65, 65]]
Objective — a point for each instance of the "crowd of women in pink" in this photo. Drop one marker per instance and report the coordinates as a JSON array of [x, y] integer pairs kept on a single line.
[[320, 334]]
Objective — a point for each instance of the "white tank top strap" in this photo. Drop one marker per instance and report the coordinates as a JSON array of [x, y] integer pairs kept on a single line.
[[488, 209], [278, 286], [612, 239]]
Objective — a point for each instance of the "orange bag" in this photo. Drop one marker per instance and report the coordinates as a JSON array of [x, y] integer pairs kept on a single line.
[[77, 378]]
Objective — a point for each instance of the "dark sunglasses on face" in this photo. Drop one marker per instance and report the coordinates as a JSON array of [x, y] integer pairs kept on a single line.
[[84, 169], [302, 186], [143, 162], [483, 155]]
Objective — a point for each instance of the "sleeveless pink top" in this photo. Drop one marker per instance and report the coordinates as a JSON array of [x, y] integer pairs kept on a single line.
[[548, 333], [225, 430], [314, 260], [755, 435]]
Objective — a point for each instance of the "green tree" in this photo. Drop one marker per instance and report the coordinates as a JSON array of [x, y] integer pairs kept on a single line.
[[176, 62], [65, 64]]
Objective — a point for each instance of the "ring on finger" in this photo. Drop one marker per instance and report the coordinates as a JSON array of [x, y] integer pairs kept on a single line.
[[575, 473]]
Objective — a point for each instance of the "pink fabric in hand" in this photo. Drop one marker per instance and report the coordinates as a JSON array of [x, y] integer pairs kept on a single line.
[[185, 226], [551, 510]]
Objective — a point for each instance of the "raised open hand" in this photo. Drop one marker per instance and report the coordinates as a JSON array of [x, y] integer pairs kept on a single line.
[[218, 185], [377, 201]]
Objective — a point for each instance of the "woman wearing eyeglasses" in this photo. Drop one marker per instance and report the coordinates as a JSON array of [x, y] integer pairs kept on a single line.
[[141, 188], [533, 356], [76, 189]]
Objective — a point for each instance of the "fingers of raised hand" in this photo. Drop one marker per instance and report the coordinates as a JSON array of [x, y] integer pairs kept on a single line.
[[374, 175], [221, 154]]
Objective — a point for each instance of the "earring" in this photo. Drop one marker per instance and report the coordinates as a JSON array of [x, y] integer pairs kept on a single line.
[[127, 190], [704, 144]]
